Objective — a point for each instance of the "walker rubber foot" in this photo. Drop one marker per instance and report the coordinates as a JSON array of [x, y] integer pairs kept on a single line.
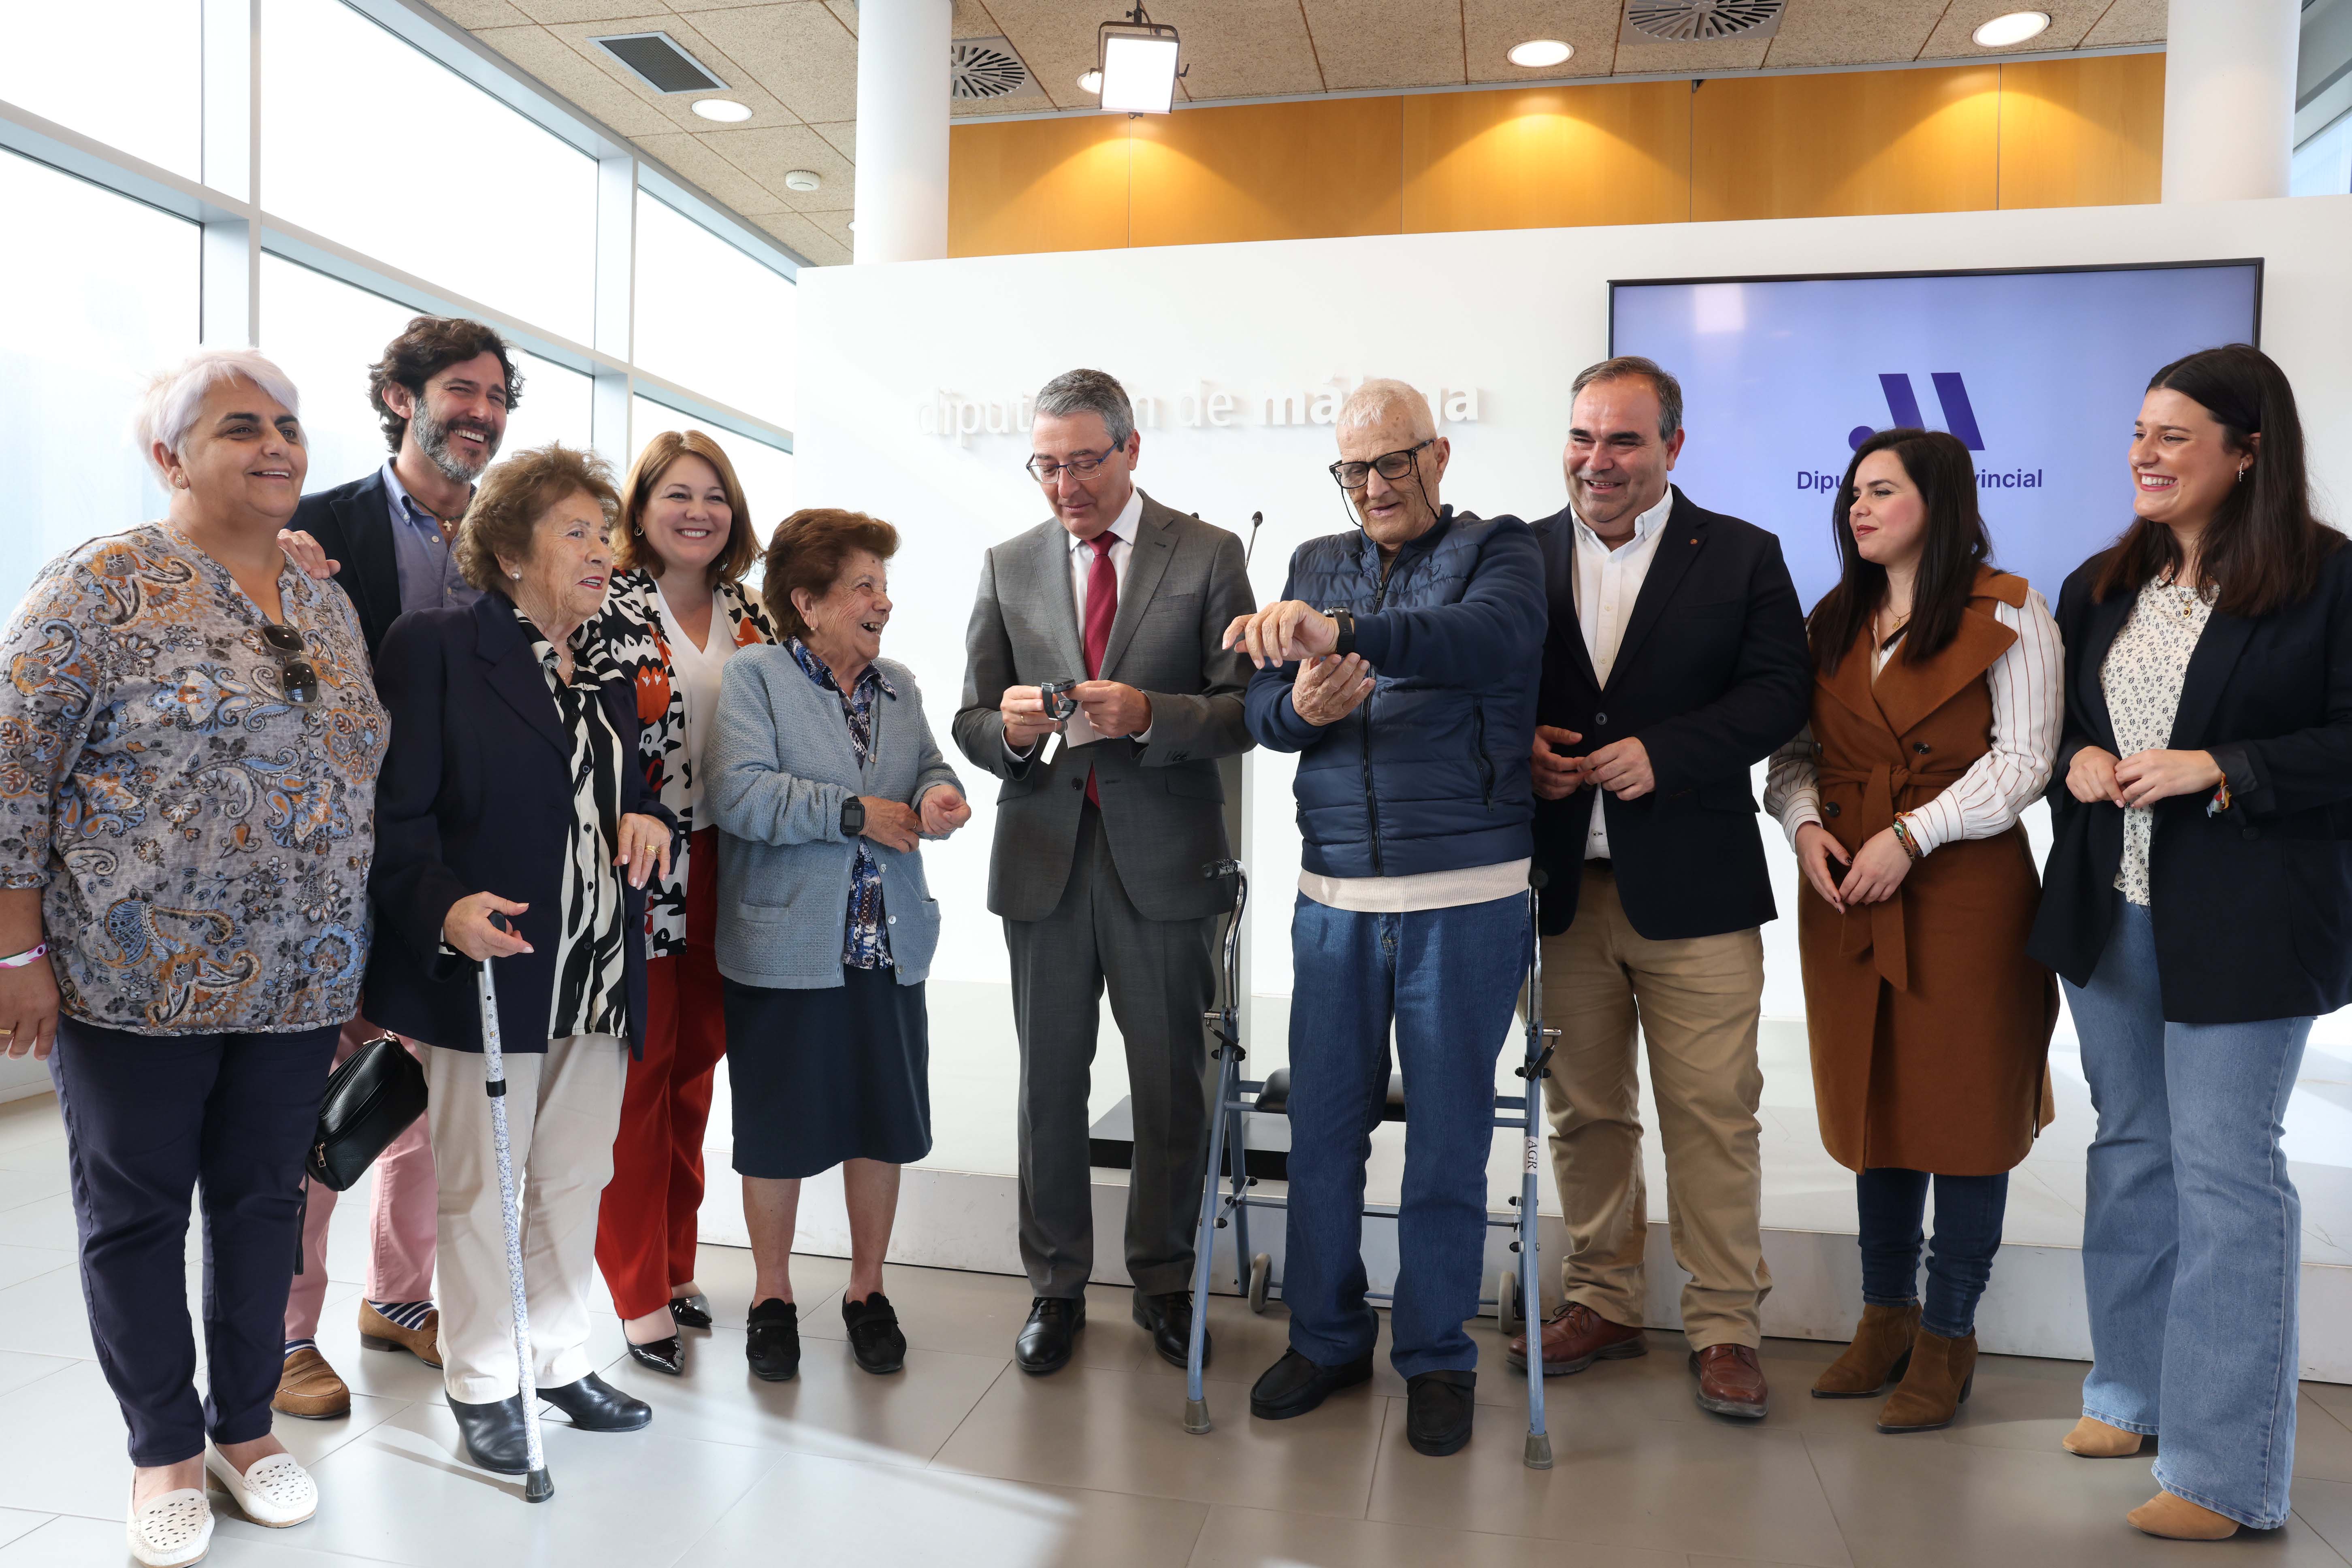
[[1196, 1416], [538, 1487], [1538, 1457]]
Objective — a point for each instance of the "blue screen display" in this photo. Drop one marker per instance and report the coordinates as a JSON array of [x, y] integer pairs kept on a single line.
[[2040, 373]]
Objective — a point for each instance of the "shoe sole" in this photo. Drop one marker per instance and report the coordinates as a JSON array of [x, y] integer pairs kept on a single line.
[[766, 1376], [1627, 1350], [1291, 1411], [311, 1415], [1732, 1407], [378, 1343], [877, 1369], [1440, 1450]]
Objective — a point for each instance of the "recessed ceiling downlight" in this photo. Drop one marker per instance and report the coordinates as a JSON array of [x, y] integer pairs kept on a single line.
[[1090, 81], [1537, 53], [725, 110], [2014, 29]]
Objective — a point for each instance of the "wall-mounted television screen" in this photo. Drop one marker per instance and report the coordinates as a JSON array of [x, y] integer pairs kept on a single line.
[[2040, 373]]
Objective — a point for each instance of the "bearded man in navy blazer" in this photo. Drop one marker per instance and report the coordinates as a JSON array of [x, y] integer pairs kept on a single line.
[[1675, 661]]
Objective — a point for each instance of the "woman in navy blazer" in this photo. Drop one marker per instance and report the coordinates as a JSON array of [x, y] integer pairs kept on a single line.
[[2197, 904], [515, 825]]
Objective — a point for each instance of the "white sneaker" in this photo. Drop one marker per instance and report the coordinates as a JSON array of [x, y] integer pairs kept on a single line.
[[277, 1491], [172, 1531]]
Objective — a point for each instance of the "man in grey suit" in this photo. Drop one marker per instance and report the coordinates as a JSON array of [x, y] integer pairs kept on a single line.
[[1101, 838]]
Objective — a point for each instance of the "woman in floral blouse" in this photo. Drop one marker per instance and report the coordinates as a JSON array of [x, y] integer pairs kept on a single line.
[[676, 611], [189, 744]]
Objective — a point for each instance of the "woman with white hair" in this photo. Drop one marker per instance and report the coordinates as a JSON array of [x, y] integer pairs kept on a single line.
[[189, 744]]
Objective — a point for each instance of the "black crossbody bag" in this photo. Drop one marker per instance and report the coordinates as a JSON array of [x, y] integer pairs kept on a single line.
[[371, 1100]]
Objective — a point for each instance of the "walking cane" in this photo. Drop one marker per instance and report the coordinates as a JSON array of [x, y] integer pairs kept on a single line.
[[538, 1485]]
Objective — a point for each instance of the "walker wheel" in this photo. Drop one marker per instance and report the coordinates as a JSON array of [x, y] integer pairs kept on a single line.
[[1507, 1318], [1261, 1275]]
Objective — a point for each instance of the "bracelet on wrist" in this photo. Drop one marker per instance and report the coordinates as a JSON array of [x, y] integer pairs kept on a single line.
[[19, 960], [1903, 836]]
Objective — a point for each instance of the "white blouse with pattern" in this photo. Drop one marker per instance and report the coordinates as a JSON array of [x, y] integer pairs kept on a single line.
[[2141, 678]]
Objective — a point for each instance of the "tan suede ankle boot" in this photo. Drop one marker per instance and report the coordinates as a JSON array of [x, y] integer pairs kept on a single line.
[[1942, 1372], [2177, 1518], [1880, 1351], [2092, 1439]]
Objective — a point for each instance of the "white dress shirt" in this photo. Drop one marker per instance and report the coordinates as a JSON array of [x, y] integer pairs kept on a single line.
[[1075, 730], [2028, 708], [1608, 582]]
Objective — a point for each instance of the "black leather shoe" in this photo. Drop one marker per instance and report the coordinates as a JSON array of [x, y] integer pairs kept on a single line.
[[1295, 1385], [690, 1311], [1169, 1320], [595, 1405], [1438, 1407], [874, 1334], [774, 1344], [1050, 1335], [493, 1434], [662, 1356]]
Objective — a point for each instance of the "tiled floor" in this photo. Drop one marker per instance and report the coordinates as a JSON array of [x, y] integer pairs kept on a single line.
[[961, 1459]]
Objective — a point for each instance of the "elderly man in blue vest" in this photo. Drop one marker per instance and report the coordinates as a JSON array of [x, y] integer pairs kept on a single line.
[[1399, 665]]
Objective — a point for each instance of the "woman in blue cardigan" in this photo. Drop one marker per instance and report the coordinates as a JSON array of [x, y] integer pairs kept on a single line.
[[824, 777]]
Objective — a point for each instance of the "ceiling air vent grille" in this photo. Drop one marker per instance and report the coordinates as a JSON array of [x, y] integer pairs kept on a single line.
[[985, 68], [1680, 20], [660, 63]]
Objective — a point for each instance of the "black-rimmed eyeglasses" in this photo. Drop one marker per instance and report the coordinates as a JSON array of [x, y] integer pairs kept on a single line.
[[1046, 471], [297, 677], [1388, 465]]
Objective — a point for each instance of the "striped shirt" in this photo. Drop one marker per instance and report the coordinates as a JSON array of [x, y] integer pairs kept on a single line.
[[2028, 708], [591, 991]]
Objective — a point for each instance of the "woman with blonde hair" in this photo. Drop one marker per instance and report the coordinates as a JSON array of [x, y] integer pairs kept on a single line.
[[676, 611]]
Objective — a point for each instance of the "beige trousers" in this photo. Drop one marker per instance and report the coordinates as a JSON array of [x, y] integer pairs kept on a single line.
[[564, 1110], [1698, 1001]]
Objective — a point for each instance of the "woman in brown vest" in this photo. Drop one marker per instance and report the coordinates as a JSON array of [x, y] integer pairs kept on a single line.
[[1936, 710]]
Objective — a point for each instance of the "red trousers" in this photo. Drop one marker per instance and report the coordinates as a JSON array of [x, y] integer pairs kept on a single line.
[[645, 1223]]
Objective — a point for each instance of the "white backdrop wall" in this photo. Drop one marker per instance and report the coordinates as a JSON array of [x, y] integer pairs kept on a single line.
[[912, 377]]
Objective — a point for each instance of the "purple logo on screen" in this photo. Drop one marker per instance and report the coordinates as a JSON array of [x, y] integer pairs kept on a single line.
[[1903, 409]]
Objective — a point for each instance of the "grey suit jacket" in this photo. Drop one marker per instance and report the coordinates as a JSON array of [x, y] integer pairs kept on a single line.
[[1162, 803]]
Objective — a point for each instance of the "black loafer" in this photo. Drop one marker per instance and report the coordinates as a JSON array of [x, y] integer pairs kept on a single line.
[[662, 1356], [774, 1344], [875, 1338], [1169, 1320], [690, 1311], [1438, 1407], [494, 1435], [1051, 1335], [595, 1405], [1295, 1385]]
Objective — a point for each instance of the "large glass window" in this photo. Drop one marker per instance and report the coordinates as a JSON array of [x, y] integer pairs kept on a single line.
[[766, 472], [710, 318], [137, 83], [325, 334], [104, 300], [353, 119]]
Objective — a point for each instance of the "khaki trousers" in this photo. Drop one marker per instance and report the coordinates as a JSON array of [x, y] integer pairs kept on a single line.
[[563, 1108], [1604, 987]]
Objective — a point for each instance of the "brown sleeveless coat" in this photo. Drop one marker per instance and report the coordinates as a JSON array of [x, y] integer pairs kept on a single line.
[[1930, 1026]]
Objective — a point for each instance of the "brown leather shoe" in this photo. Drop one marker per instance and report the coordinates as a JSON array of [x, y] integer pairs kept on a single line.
[[1942, 1372], [1730, 1380], [378, 1332], [1881, 1350], [1575, 1336], [2177, 1518], [309, 1388]]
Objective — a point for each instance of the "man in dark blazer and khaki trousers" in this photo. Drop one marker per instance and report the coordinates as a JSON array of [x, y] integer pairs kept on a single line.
[[1101, 841]]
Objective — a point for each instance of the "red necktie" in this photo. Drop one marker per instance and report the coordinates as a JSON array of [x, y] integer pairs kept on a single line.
[[1102, 608]]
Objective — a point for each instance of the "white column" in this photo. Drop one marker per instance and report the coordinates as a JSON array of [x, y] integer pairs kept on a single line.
[[902, 128], [2228, 99]]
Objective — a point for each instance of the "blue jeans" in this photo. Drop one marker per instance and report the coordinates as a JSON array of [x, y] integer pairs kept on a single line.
[[2191, 1241], [1448, 980], [1968, 1212]]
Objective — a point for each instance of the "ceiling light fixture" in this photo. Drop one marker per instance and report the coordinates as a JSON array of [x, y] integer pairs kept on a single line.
[[802, 179], [2014, 29], [1090, 81], [725, 110], [1136, 61], [1537, 53]]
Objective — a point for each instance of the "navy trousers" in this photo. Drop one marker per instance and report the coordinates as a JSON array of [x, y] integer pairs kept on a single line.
[[150, 1120]]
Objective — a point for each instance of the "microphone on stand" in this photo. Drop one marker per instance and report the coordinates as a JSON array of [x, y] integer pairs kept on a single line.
[[1258, 520]]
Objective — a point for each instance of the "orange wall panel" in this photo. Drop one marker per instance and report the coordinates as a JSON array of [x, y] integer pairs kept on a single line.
[[1037, 184], [1846, 143], [2082, 134], [1266, 171], [1547, 157]]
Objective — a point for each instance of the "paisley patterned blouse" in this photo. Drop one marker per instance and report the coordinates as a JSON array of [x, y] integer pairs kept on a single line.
[[866, 936], [634, 627], [202, 840], [2141, 679]]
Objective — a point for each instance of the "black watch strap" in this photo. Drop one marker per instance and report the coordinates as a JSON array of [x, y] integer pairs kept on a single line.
[[853, 817], [1347, 619]]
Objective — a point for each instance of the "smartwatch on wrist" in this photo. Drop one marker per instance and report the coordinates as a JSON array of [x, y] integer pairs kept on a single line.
[[1347, 643], [853, 817]]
